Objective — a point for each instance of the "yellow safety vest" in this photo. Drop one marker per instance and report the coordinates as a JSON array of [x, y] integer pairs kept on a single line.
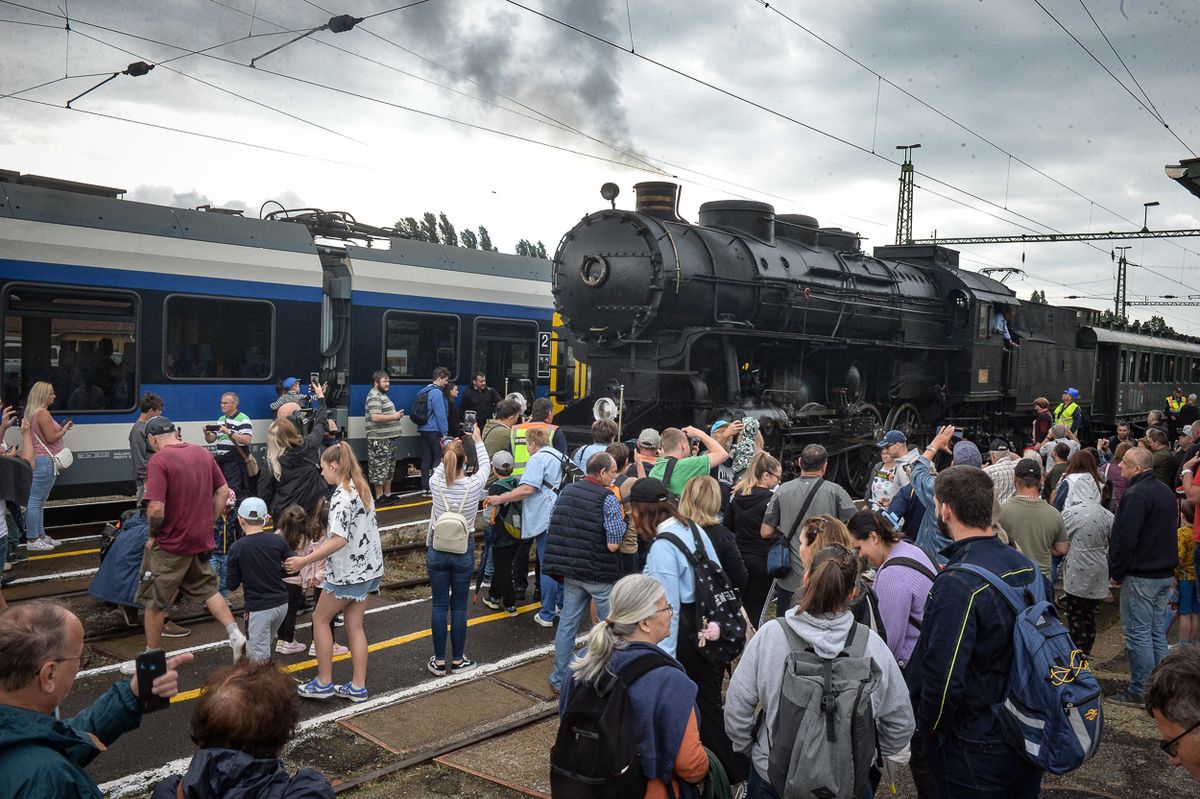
[[520, 450], [1066, 415], [1175, 404]]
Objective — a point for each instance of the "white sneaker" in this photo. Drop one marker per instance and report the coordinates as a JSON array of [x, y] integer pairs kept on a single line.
[[39, 545], [54, 542], [338, 649], [289, 647], [237, 642], [129, 668]]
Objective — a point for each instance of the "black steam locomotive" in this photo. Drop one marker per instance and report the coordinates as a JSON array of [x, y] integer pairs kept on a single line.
[[753, 313]]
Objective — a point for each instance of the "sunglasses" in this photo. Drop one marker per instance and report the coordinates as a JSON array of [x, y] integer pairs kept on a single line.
[[1171, 747]]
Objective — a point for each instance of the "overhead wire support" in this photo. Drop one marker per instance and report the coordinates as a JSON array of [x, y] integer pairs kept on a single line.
[[135, 70], [338, 24]]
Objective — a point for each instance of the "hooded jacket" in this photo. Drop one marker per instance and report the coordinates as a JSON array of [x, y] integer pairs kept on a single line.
[[756, 682], [1088, 526], [230, 774], [300, 481], [41, 756]]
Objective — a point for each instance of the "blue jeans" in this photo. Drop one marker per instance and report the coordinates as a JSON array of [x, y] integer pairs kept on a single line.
[[988, 771], [486, 565], [450, 580], [552, 591], [1143, 603], [431, 455], [43, 481], [218, 561], [577, 597], [758, 788]]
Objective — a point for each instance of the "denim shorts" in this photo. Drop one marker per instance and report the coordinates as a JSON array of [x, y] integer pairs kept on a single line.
[[356, 591], [1187, 598]]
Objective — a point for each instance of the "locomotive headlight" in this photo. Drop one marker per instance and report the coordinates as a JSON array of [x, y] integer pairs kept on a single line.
[[609, 191]]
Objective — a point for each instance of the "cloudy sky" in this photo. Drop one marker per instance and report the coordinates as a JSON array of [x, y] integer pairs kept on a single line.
[[497, 114]]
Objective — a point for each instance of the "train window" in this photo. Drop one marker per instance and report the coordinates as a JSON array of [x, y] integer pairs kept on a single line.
[[986, 320], [1144, 369], [1195, 371], [1121, 366], [414, 344], [1156, 373], [505, 349], [194, 348], [81, 342], [1170, 376]]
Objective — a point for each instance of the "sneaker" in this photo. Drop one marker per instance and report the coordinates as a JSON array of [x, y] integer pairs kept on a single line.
[[338, 649], [315, 689], [464, 665], [237, 642], [434, 668], [339, 621], [39, 545], [172, 630], [7, 566], [129, 668], [487, 582], [54, 542], [289, 648], [537, 617], [1127, 699], [347, 691], [491, 603], [512, 610]]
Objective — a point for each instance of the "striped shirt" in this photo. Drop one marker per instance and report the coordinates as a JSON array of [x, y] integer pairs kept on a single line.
[[238, 425], [378, 402], [451, 497]]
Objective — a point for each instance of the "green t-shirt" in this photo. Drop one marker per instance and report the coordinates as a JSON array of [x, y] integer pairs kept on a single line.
[[1035, 526], [685, 469]]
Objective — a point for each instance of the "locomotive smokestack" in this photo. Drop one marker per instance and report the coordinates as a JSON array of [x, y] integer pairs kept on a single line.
[[659, 200]]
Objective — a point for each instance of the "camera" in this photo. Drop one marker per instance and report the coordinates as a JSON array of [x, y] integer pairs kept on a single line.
[[212, 428]]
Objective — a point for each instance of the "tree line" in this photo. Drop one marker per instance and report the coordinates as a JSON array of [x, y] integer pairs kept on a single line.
[[438, 229]]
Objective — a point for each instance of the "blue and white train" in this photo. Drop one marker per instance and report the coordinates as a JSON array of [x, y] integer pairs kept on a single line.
[[107, 298]]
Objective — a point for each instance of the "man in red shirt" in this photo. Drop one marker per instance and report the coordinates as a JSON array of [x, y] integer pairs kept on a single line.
[[185, 492]]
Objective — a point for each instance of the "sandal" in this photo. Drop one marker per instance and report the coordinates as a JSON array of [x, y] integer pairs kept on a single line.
[[435, 669]]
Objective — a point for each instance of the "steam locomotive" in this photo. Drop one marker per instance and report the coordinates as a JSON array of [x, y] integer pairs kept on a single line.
[[754, 313]]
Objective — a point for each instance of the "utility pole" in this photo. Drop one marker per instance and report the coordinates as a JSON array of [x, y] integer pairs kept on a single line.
[[904, 211], [1122, 271]]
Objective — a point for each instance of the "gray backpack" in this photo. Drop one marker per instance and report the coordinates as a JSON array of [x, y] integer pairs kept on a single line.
[[822, 740]]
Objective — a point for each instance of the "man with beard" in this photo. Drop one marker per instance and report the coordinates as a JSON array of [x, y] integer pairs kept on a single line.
[[383, 431]]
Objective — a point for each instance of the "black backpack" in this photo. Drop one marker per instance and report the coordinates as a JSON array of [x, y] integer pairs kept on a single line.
[[419, 412], [595, 754], [716, 602]]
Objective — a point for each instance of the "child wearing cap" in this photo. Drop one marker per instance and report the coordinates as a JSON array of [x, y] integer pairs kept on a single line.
[[225, 534], [502, 536], [256, 564]]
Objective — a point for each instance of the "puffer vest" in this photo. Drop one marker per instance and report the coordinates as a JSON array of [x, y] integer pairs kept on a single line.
[[577, 546]]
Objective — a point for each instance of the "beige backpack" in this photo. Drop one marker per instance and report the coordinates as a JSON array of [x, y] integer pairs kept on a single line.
[[451, 531]]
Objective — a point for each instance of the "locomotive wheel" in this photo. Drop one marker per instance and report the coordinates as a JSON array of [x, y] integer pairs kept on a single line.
[[905, 418], [854, 466]]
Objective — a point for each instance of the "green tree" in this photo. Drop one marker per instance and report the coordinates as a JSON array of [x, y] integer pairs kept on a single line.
[[524, 248], [410, 228], [539, 251], [485, 241], [469, 240], [1038, 297], [448, 235], [429, 227]]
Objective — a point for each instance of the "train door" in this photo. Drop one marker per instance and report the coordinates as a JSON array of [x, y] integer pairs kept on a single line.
[[568, 377], [335, 335], [1104, 392], [506, 351]]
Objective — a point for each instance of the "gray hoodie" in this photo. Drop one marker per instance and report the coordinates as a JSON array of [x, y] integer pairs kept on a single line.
[[759, 674]]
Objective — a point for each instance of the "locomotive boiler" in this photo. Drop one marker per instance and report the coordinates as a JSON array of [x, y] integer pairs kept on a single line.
[[753, 313]]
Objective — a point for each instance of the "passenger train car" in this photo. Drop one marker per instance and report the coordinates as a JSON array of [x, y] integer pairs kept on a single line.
[[107, 298]]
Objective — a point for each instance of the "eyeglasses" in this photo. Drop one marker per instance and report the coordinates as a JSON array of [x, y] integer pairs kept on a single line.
[[85, 660], [1171, 747], [670, 611]]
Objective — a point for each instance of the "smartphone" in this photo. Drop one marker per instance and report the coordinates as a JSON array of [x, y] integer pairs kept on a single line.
[[212, 428], [958, 434], [150, 665], [469, 421], [314, 378]]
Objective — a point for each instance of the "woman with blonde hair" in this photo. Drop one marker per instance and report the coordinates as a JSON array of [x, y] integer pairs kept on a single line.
[[701, 502], [744, 517], [450, 574], [663, 699], [47, 442], [353, 566], [293, 473]]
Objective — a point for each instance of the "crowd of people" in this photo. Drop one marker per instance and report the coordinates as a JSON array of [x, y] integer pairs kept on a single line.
[[768, 630]]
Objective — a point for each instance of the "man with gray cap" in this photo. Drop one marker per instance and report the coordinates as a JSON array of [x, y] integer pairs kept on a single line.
[[1001, 469], [646, 454], [185, 492], [1034, 525], [1059, 434]]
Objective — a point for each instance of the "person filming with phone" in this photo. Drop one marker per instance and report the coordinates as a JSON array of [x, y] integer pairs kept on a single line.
[[41, 652]]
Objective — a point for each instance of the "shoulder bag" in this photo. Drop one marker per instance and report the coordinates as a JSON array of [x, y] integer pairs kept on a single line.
[[779, 556], [62, 459]]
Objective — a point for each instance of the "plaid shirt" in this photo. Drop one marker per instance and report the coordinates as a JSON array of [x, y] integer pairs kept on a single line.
[[1001, 473]]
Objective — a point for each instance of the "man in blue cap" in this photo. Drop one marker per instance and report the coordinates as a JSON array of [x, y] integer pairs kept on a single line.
[[1067, 411]]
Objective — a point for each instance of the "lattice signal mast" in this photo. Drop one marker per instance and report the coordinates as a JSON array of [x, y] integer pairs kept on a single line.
[[904, 212]]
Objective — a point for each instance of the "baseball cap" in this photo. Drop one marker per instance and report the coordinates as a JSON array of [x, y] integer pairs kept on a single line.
[[717, 425], [998, 445], [1074, 392], [648, 489], [503, 461], [1028, 467], [159, 425], [290, 383], [967, 454], [253, 509], [649, 438], [892, 437]]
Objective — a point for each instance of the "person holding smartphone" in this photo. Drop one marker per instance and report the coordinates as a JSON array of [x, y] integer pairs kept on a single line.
[[47, 442]]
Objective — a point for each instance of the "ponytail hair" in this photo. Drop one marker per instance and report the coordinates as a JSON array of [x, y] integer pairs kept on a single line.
[[453, 458], [634, 598], [349, 473], [829, 580], [293, 526], [761, 464], [868, 521]]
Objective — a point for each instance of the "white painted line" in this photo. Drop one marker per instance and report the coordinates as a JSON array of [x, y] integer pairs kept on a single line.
[[45, 578], [142, 781], [101, 670]]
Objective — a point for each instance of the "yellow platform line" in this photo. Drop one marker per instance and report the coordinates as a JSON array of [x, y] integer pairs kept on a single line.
[[185, 696], [72, 553]]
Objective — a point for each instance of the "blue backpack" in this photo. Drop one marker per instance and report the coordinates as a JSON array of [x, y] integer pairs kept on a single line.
[[1052, 712], [419, 413]]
